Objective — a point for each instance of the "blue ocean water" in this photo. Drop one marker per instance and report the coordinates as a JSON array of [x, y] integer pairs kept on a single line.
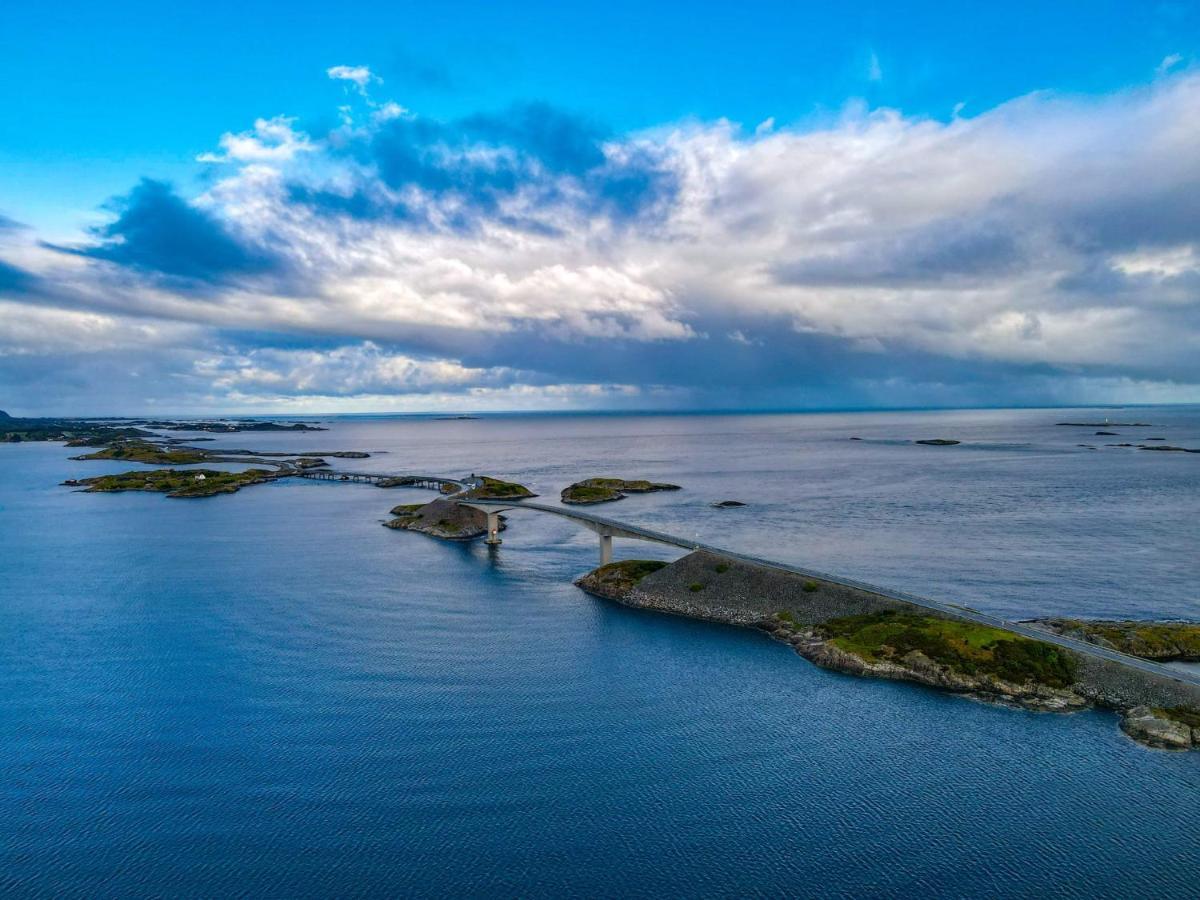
[[268, 694]]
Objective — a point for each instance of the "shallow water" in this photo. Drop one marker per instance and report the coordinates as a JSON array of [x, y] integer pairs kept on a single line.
[[267, 693]]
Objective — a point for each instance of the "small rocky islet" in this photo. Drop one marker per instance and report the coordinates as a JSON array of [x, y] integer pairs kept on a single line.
[[606, 490]]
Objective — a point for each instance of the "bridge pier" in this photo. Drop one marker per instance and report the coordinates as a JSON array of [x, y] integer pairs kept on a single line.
[[605, 549], [493, 528]]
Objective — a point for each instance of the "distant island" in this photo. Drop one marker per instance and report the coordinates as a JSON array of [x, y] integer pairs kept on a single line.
[[606, 490]]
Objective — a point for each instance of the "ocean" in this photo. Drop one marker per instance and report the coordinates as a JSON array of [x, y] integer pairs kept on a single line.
[[268, 694]]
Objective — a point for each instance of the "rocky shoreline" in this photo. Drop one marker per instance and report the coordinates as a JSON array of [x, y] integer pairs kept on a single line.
[[811, 616]]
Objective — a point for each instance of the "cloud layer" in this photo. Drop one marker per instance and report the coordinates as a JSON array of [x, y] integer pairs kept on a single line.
[[1045, 251]]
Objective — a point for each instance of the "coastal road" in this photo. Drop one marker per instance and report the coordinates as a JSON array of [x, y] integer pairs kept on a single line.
[[601, 525]]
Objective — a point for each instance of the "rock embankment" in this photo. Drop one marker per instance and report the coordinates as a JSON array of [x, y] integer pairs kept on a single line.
[[443, 519], [606, 490], [863, 633]]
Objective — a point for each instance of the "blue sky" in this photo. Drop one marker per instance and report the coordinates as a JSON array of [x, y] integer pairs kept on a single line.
[[99, 95], [293, 206]]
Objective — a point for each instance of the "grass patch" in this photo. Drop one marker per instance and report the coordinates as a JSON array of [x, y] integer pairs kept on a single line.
[[1151, 640], [964, 646], [1185, 715], [721, 568], [495, 489], [810, 587], [624, 575], [406, 509], [695, 587]]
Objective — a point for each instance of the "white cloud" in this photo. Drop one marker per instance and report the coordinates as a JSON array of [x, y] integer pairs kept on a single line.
[[271, 140], [359, 76], [1048, 233]]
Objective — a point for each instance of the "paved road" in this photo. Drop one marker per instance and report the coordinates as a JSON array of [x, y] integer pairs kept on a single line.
[[624, 529]]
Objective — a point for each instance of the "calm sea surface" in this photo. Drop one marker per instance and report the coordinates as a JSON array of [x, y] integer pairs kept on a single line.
[[268, 694]]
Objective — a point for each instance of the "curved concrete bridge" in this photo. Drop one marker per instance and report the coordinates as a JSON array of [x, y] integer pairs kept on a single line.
[[607, 529]]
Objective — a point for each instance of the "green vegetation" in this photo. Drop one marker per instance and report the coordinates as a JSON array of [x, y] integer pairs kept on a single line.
[[449, 526], [76, 432], [1149, 640], [620, 577], [695, 587], [1185, 715], [603, 490], [966, 647], [151, 454], [495, 489], [721, 568], [810, 587], [406, 509], [178, 483]]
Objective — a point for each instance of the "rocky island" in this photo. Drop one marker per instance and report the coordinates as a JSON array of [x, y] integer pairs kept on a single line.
[[605, 490], [863, 633], [443, 519], [175, 482], [490, 488]]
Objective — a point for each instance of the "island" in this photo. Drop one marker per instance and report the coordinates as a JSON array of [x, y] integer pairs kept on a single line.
[[860, 632], [937, 442], [186, 483], [96, 432], [606, 490], [488, 488], [727, 504], [440, 518]]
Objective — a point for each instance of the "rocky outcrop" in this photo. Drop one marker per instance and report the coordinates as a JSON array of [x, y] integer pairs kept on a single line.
[[606, 490], [938, 442], [1156, 728], [443, 519], [802, 612]]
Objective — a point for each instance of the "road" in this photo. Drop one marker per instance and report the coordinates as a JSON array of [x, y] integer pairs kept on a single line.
[[624, 529]]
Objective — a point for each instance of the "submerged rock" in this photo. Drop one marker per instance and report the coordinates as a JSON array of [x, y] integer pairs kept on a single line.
[[728, 504], [938, 442]]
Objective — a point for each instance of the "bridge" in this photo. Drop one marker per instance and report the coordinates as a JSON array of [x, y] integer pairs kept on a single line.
[[431, 482], [607, 529]]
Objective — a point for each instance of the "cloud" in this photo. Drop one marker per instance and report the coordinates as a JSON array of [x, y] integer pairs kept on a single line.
[[156, 231], [14, 280], [1048, 248], [271, 140], [874, 69], [359, 76], [1168, 63]]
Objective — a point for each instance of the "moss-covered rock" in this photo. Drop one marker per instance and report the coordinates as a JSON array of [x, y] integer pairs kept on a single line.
[[605, 490], [1162, 641], [615, 580]]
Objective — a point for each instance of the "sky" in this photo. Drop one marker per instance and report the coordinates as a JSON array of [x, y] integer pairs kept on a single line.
[[295, 208]]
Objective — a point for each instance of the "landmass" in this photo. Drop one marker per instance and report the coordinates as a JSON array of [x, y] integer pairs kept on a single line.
[[605, 490], [1156, 640], [188, 483], [727, 504], [1104, 424], [152, 454], [440, 518], [92, 432], [938, 442], [488, 488], [862, 633]]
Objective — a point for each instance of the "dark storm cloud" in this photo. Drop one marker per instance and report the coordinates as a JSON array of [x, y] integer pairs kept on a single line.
[[158, 231]]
